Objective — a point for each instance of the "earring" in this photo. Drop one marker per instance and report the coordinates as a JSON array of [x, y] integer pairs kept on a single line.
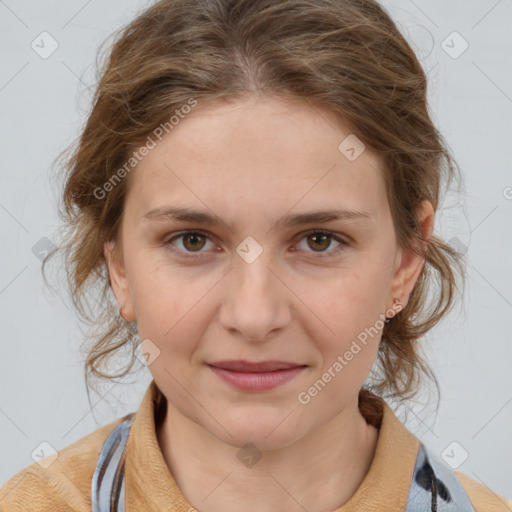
[[397, 303]]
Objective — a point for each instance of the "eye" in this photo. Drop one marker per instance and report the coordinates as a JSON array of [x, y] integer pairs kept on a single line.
[[321, 240], [192, 243]]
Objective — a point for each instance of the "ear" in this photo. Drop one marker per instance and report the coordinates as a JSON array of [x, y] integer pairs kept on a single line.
[[409, 264], [119, 280]]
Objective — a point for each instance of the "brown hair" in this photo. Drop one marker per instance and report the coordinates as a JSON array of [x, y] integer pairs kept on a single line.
[[346, 55]]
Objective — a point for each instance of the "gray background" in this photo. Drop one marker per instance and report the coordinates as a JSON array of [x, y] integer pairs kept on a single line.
[[43, 102]]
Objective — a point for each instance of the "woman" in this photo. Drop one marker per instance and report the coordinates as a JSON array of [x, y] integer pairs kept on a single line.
[[257, 184]]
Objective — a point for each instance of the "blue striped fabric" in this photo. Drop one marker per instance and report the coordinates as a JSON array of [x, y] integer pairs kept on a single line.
[[107, 489], [435, 487]]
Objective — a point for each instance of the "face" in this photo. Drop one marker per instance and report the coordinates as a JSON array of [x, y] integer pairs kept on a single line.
[[254, 284]]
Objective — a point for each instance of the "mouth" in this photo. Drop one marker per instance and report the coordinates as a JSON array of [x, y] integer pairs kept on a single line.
[[255, 367], [256, 376]]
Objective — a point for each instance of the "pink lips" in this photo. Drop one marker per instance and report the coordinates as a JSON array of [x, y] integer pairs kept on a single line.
[[257, 376]]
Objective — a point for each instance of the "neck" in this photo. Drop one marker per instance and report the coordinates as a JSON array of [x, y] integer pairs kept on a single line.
[[335, 458]]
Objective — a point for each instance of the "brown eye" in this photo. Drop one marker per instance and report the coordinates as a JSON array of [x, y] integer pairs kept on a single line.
[[320, 241], [193, 241]]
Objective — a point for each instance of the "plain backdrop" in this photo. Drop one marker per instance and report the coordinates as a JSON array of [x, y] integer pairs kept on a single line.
[[466, 49]]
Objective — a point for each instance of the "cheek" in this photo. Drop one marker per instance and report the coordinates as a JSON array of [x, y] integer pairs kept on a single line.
[[171, 307], [345, 300], [158, 290], [345, 317]]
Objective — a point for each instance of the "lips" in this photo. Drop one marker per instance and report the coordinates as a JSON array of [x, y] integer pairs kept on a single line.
[[256, 376], [255, 367]]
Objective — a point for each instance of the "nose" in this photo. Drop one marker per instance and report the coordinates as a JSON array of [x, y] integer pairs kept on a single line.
[[256, 300]]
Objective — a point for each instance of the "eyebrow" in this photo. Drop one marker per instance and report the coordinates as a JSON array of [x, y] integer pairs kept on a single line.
[[297, 219]]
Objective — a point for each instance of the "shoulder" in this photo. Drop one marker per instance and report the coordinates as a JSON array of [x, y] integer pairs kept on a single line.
[[481, 497], [58, 482]]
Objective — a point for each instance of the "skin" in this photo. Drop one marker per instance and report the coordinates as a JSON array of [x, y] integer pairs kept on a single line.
[[250, 163]]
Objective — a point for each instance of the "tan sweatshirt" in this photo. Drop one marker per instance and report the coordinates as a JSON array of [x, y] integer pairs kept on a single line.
[[65, 485]]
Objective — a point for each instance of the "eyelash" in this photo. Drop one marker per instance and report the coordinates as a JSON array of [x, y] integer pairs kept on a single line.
[[329, 254]]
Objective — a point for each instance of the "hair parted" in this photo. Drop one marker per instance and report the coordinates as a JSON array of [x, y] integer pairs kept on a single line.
[[346, 55]]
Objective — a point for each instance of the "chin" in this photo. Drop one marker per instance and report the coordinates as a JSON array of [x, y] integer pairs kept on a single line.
[[267, 431]]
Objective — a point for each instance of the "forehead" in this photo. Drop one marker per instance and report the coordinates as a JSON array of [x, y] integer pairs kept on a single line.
[[258, 155]]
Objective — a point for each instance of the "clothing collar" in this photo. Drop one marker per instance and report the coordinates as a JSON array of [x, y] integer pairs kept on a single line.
[[151, 486]]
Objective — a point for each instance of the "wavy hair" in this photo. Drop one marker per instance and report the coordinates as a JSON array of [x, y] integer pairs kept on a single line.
[[346, 55]]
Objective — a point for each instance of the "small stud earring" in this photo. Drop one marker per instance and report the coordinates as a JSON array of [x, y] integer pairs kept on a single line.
[[397, 303]]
